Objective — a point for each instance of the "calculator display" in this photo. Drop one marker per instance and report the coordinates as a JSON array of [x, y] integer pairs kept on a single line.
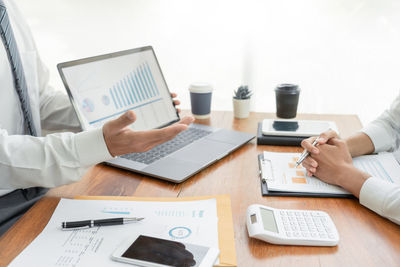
[[268, 219]]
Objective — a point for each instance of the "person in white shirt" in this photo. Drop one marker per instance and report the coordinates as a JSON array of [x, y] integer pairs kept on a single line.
[[30, 164], [331, 161]]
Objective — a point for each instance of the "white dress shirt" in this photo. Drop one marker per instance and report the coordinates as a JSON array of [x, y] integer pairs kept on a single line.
[[378, 195], [57, 159]]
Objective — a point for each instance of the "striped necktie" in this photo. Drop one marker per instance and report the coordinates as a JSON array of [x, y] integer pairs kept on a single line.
[[10, 45]]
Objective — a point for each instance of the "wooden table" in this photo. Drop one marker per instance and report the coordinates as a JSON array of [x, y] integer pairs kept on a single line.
[[366, 239]]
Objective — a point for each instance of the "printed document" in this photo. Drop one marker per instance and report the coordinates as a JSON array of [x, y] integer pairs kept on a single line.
[[280, 173], [187, 221]]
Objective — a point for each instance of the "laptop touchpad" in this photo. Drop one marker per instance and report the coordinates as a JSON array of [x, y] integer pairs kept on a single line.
[[204, 151]]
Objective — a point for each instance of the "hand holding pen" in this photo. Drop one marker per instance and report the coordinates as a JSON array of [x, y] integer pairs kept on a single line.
[[310, 146]]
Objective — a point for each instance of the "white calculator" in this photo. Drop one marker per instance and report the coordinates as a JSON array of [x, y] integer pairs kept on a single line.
[[291, 227]]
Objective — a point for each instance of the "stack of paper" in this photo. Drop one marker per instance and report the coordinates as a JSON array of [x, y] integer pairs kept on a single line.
[[193, 222]]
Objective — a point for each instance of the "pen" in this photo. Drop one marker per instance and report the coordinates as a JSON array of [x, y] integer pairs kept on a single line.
[[101, 222], [305, 154]]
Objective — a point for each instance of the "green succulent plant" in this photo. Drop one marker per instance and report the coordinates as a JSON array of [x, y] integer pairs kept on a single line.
[[242, 92]]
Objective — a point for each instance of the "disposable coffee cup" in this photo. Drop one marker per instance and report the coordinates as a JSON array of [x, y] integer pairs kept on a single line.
[[287, 99], [200, 99]]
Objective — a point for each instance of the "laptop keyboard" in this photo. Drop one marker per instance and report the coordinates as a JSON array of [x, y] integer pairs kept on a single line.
[[181, 140]]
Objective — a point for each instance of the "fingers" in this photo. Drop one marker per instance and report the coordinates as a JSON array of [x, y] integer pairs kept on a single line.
[[337, 142], [322, 139], [167, 133], [186, 120], [307, 145], [309, 162], [152, 138], [325, 136], [176, 102], [310, 165], [124, 120]]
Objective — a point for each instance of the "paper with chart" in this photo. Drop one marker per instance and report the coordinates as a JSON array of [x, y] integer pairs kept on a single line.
[[187, 221], [281, 174]]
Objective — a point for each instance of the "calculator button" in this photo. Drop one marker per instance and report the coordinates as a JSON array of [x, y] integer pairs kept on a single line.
[[282, 212], [287, 228], [303, 228], [305, 234], [322, 235], [298, 213], [331, 236], [314, 235], [321, 230], [289, 234], [290, 213], [296, 234], [306, 214]]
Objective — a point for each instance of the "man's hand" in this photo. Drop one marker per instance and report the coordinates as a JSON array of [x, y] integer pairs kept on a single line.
[[176, 101], [309, 163], [120, 139], [335, 166]]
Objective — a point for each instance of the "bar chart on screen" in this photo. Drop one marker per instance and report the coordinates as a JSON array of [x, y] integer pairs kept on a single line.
[[135, 89], [139, 89]]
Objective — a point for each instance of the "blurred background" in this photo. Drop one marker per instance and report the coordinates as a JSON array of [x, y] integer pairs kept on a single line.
[[344, 55]]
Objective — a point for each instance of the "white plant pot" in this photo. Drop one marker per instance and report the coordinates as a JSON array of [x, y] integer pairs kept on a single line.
[[241, 108]]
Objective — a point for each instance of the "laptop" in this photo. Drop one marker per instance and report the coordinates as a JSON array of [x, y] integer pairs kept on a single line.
[[101, 88]]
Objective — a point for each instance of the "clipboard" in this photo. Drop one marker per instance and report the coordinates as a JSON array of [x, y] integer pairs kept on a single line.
[[266, 192], [226, 240]]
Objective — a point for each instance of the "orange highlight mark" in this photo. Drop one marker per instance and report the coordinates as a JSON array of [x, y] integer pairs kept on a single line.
[[295, 159], [299, 180], [300, 173], [291, 165]]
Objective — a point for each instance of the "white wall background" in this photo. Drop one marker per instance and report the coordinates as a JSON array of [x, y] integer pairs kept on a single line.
[[344, 54]]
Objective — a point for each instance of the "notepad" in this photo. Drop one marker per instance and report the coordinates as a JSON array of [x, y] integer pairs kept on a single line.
[[280, 176]]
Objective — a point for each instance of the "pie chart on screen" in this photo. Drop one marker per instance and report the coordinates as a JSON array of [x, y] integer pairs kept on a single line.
[[87, 105]]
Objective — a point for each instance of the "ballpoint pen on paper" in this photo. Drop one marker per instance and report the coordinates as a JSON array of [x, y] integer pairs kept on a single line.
[[305, 154], [94, 223]]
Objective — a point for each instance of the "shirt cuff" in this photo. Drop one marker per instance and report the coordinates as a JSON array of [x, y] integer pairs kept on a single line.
[[379, 136], [91, 147], [373, 194]]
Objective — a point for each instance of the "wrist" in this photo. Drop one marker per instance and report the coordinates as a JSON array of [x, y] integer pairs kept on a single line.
[[352, 179], [350, 147]]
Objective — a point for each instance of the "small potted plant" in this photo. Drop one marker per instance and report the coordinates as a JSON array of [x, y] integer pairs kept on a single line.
[[241, 102]]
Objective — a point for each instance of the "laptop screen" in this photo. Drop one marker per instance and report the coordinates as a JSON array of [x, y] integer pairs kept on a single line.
[[102, 88]]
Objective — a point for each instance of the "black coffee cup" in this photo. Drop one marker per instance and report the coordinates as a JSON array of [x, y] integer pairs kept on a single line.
[[287, 98]]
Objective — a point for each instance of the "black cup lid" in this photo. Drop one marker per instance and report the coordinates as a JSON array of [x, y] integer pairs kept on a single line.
[[288, 88]]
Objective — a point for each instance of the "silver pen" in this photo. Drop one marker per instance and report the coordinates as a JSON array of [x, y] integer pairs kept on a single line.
[[305, 153], [95, 223]]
